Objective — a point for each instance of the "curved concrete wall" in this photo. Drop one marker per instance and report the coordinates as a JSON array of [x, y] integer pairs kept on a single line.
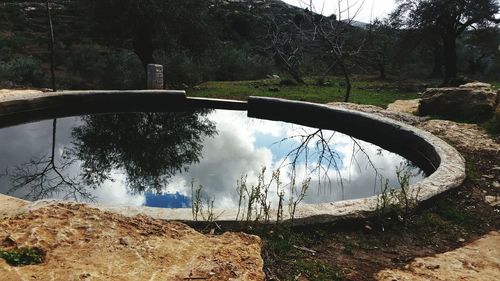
[[442, 162]]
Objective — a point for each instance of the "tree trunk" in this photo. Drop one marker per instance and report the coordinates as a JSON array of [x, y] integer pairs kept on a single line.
[[450, 59], [347, 78], [437, 70], [289, 68], [296, 77], [381, 70], [143, 44], [51, 48], [381, 66]]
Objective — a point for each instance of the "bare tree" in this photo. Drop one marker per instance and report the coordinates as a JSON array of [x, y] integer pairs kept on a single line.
[[288, 47], [336, 33], [331, 41], [47, 176]]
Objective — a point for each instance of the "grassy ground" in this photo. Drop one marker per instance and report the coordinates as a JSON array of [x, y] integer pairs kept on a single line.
[[365, 90]]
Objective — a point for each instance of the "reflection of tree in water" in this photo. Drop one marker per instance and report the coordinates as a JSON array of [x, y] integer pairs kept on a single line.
[[317, 153], [45, 176], [149, 147]]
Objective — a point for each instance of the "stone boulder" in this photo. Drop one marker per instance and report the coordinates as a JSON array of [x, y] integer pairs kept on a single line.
[[476, 85], [83, 243], [476, 101]]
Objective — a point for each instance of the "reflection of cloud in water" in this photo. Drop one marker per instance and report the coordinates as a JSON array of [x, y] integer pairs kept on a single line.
[[226, 157], [245, 146], [242, 146]]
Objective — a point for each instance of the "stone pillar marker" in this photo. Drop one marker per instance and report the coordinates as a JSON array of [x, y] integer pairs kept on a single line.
[[155, 76]]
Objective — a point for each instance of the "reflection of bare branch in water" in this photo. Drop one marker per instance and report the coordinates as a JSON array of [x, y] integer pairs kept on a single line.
[[327, 157], [44, 177]]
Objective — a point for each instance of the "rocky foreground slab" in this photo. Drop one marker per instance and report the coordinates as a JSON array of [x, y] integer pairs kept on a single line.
[[478, 261], [83, 243]]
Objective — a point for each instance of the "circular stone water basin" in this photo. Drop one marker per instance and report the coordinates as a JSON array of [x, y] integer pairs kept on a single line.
[[180, 152]]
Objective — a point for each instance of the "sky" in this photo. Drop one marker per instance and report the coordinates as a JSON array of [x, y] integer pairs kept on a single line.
[[368, 9]]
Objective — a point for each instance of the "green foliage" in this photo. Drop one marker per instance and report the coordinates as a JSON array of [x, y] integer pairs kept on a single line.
[[223, 63], [457, 215], [448, 19], [329, 92], [180, 68], [400, 201], [11, 45], [447, 218], [280, 241], [254, 199], [86, 62], [237, 64], [23, 256], [317, 270], [92, 67], [22, 70], [472, 170], [196, 200], [151, 25], [493, 127], [123, 70], [253, 203], [103, 45]]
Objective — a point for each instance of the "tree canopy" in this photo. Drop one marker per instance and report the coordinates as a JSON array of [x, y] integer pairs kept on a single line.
[[151, 24], [448, 18]]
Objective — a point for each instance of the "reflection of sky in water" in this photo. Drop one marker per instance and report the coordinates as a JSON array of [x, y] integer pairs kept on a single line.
[[242, 146]]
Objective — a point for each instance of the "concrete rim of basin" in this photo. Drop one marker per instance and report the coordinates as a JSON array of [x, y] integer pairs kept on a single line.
[[446, 162]]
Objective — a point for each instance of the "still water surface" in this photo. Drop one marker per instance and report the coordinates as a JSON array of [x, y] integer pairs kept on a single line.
[[155, 159]]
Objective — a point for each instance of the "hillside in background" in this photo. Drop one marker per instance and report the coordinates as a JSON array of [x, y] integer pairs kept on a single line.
[[105, 44], [89, 58]]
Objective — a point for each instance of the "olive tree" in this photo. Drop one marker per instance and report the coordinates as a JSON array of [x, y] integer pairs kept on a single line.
[[449, 19]]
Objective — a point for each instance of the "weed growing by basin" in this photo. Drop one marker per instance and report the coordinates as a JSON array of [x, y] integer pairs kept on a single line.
[[398, 202], [254, 203], [200, 207]]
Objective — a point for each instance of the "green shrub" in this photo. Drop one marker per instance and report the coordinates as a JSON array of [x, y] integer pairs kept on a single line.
[[23, 71], [123, 71], [23, 256], [493, 126], [180, 68], [318, 270], [86, 63], [236, 64], [10, 45]]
